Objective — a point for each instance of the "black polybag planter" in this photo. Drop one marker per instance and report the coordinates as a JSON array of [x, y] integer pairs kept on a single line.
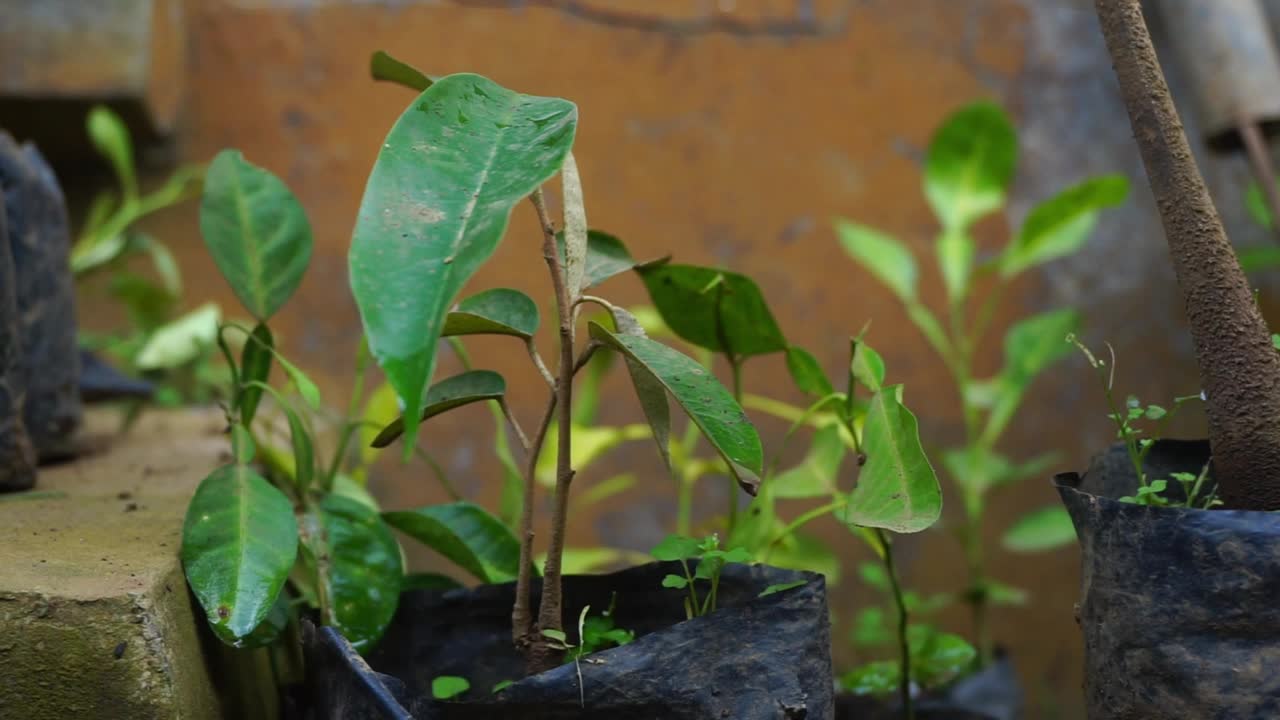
[[755, 658], [17, 456], [1180, 609], [992, 693]]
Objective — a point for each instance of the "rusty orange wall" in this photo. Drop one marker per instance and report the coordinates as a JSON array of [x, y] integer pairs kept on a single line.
[[734, 149]]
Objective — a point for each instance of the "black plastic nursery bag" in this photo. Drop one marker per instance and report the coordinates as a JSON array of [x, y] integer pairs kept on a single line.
[[17, 457]]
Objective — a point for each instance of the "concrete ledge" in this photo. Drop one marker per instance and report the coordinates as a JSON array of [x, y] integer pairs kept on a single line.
[[95, 617]]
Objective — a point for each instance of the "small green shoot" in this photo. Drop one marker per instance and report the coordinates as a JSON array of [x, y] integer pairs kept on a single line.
[[444, 687], [710, 562]]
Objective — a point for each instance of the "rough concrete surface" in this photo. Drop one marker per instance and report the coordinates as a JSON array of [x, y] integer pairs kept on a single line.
[[95, 617]]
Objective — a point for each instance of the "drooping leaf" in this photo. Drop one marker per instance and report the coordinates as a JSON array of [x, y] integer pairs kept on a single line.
[[385, 68], [816, 474], [111, 138], [1041, 530], [606, 256], [239, 541], [710, 406], [500, 311], [575, 228], [461, 389], [807, 373], [436, 205], [881, 255], [970, 164], [955, 250], [255, 366], [1060, 225], [1030, 347], [466, 534], [867, 366], [721, 311], [256, 231], [444, 687], [897, 489], [182, 340], [361, 569]]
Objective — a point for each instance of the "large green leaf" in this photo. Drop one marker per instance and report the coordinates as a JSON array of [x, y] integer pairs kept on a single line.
[[882, 255], [1060, 225], [721, 311], [461, 389], [1044, 529], [500, 311], [710, 406], [897, 488], [239, 541], [359, 562], [1030, 347], [970, 164], [436, 205], [816, 474], [256, 231], [606, 256], [385, 68], [466, 534]]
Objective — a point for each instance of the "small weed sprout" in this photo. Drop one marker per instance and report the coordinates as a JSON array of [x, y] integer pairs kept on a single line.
[[710, 562]]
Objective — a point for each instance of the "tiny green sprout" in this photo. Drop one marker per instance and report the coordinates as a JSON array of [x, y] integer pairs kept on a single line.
[[444, 687], [710, 562]]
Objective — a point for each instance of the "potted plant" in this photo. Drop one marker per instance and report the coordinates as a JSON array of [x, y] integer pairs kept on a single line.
[[1177, 590]]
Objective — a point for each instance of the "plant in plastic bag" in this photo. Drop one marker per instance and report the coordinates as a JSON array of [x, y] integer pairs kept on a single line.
[[968, 172]]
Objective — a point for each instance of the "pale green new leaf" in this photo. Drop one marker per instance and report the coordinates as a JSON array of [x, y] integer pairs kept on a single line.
[[897, 488], [466, 534], [181, 341], [882, 255], [970, 164], [815, 476], [1060, 225]]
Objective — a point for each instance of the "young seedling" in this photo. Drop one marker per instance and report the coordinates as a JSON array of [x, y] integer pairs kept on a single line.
[[710, 561], [968, 172]]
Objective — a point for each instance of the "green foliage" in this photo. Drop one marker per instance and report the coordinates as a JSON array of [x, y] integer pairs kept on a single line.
[[465, 534], [600, 632], [721, 311], [499, 311], [709, 562], [385, 68], [897, 489], [444, 687], [463, 389], [970, 165]]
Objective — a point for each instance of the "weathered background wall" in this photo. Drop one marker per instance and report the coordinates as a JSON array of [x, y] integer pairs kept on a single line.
[[732, 144]]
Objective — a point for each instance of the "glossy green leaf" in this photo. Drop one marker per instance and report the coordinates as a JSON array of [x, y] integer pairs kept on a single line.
[[428, 581], [807, 373], [877, 678], [239, 541], [436, 205], [444, 687], [897, 489], [181, 341], [256, 231], [255, 366], [575, 228], [453, 392], [884, 256], [1041, 530], [710, 406], [1060, 225], [606, 256], [970, 164], [1030, 347], [816, 474], [385, 68], [867, 366], [466, 534], [359, 569], [111, 138], [955, 250], [714, 309], [500, 311]]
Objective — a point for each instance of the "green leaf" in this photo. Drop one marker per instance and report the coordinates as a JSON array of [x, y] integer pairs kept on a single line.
[[360, 569], [1060, 225], [239, 540], [380, 410], [877, 678], [255, 366], [500, 311], [1041, 530], [575, 228], [304, 454], [816, 474], [718, 310], [256, 231], [938, 657], [676, 547], [606, 256], [181, 341], [436, 205], [675, 581], [556, 635], [955, 251], [710, 406], [867, 366], [444, 687], [870, 629], [385, 68], [502, 685], [970, 164], [453, 392], [897, 489], [428, 581], [881, 255], [149, 305], [780, 587], [111, 138], [466, 534], [305, 386], [604, 489], [1002, 595], [807, 373], [1256, 203], [874, 575], [272, 626], [1030, 347], [347, 487], [583, 561]]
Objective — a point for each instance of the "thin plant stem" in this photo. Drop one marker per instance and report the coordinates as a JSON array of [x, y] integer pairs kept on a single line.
[[904, 646], [541, 366], [521, 617]]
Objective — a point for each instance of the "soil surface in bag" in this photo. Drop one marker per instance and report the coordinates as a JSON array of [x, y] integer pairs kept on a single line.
[[992, 693], [1180, 609], [754, 658]]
